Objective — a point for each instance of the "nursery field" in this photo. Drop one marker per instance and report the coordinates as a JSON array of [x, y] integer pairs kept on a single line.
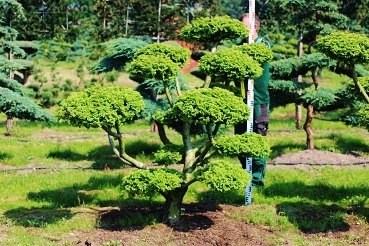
[[61, 185]]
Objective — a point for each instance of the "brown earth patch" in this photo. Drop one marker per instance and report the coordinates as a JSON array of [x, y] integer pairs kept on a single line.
[[219, 225], [319, 157]]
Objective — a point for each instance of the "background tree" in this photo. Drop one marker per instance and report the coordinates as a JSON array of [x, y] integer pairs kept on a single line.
[[284, 89], [13, 100], [119, 52], [350, 49]]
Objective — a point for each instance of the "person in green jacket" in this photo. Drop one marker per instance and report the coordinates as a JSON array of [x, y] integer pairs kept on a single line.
[[261, 109]]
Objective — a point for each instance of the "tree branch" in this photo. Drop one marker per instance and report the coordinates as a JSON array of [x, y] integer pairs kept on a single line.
[[124, 157], [167, 93], [178, 87], [110, 132]]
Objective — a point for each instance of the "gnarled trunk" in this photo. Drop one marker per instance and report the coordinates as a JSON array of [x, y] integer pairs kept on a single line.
[[173, 203], [307, 127]]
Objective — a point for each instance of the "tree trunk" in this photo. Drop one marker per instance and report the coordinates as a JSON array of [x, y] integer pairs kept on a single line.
[[298, 116], [173, 203], [307, 127], [357, 83], [313, 76], [9, 125], [161, 131]]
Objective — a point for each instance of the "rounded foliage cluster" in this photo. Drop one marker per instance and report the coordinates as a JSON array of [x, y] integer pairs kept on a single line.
[[352, 48], [223, 176], [247, 145], [100, 106], [319, 98], [178, 55], [230, 65], [207, 30], [258, 51], [206, 105], [168, 154], [149, 182], [153, 66]]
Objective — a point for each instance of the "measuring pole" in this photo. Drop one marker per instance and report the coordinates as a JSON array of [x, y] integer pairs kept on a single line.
[[250, 99]]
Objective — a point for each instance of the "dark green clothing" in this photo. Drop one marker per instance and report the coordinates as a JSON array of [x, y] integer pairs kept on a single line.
[[261, 93], [261, 120]]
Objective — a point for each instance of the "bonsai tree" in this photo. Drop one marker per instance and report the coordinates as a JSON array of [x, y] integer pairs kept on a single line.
[[284, 89], [111, 107], [13, 100]]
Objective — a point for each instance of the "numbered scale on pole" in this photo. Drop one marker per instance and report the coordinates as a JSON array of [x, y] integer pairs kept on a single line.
[[250, 100]]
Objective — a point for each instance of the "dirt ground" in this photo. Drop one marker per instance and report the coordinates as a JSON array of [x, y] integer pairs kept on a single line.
[[214, 224]]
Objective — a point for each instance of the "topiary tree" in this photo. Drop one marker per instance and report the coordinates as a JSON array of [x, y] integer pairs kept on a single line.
[[13, 100], [284, 91], [111, 107]]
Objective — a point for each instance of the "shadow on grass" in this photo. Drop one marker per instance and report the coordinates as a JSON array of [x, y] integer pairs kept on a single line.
[[124, 213], [37, 217], [312, 208], [132, 213], [347, 144], [104, 155], [4, 156], [312, 218], [317, 216], [66, 197], [284, 148], [77, 195]]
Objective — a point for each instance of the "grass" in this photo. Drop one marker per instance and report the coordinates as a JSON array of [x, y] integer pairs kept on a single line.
[[39, 206], [42, 207]]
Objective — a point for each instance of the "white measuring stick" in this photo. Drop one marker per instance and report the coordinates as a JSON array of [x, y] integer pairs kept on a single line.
[[250, 100]]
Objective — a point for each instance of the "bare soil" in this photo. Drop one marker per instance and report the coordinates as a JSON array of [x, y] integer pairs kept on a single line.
[[209, 223], [216, 225]]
